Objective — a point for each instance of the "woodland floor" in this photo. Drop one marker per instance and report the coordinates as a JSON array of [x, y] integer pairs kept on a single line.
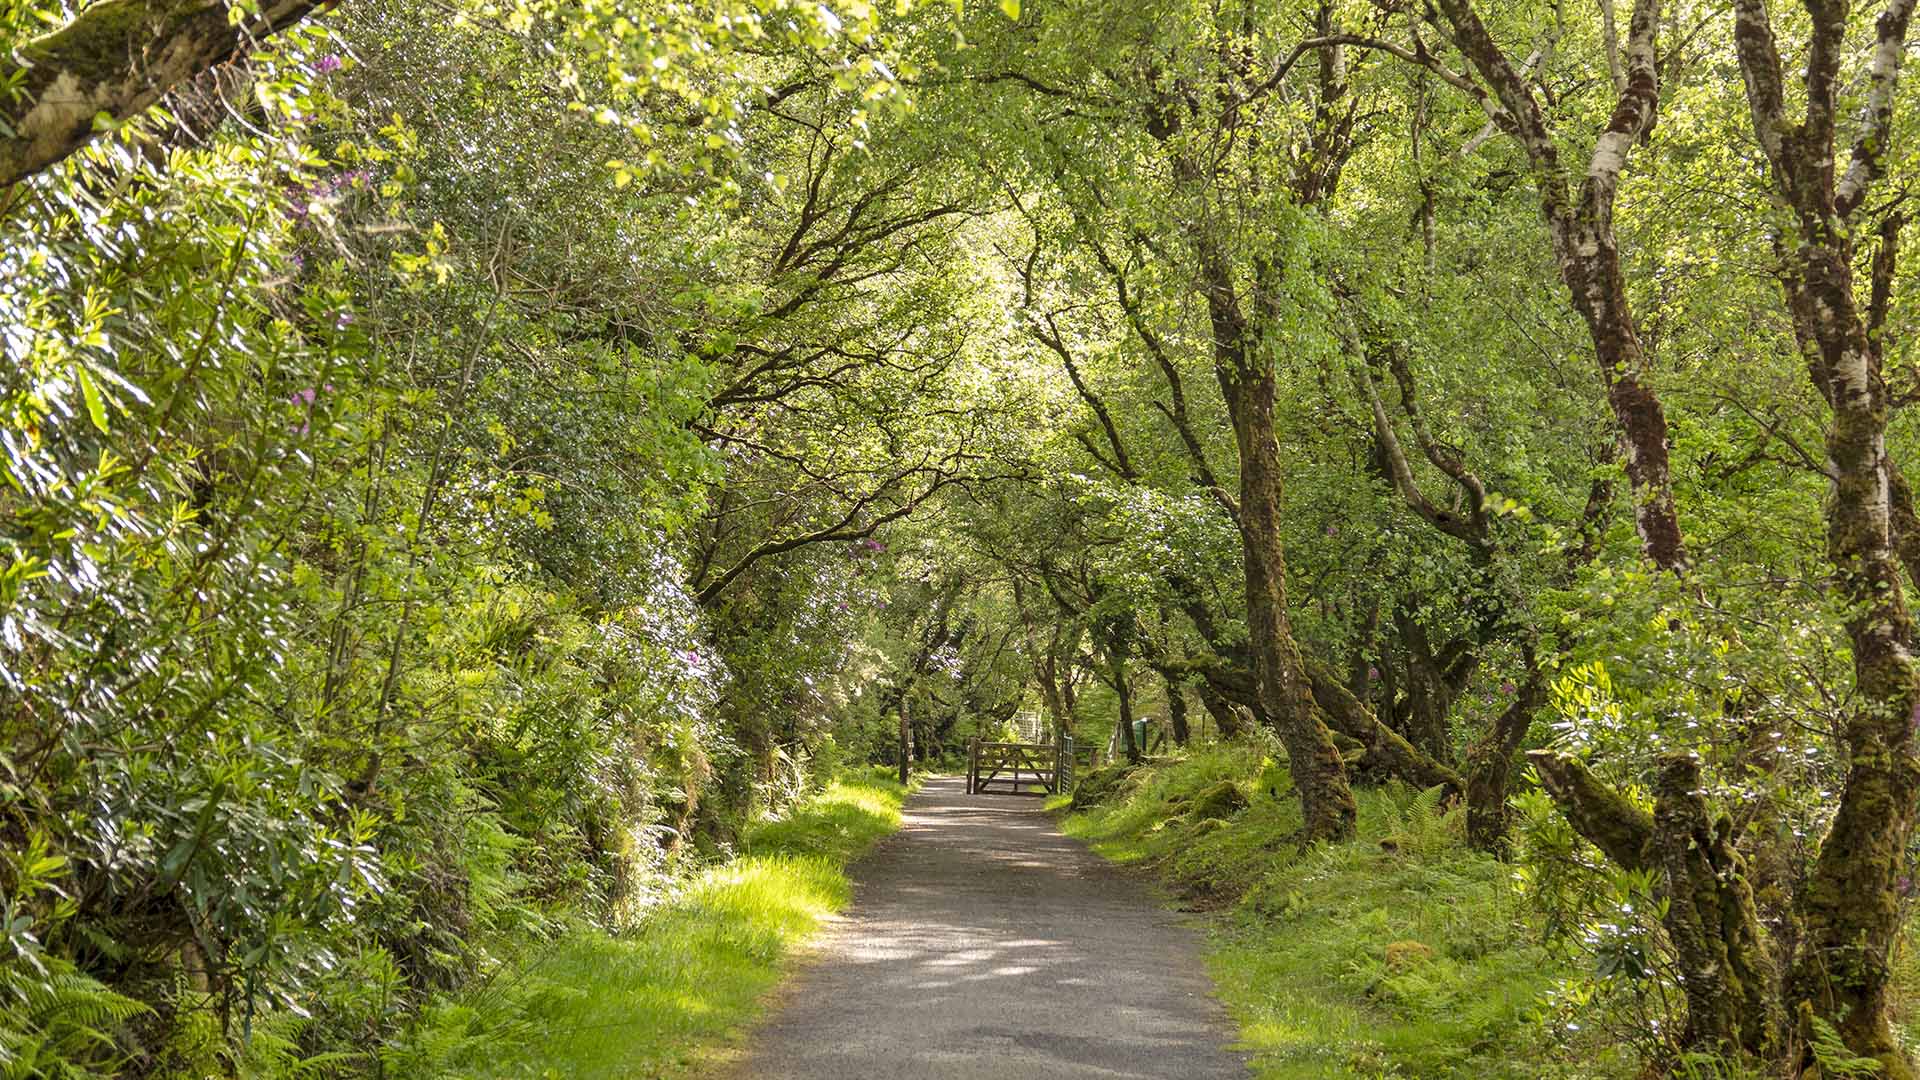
[[981, 939]]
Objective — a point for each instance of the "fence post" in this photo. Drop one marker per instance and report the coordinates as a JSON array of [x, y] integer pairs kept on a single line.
[[973, 764]]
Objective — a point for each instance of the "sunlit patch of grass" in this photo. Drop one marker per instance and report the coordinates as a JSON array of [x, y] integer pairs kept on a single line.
[[644, 1002], [840, 822], [1357, 960]]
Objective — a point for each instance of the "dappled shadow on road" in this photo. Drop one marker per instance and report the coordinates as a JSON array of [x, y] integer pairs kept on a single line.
[[982, 938]]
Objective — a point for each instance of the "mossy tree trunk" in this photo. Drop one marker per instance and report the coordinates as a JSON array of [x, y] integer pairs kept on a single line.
[[1490, 762], [1221, 709], [1327, 805], [1431, 690], [1243, 329], [1711, 919], [117, 57], [1579, 218], [1386, 749], [1849, 906], [1177, 711], [1123, 718], [1733, 1007]]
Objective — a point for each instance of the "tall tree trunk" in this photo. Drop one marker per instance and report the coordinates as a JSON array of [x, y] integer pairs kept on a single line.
[[1124, 718], [1046, 664], [1429, 698], [1177, 710], [1850, 905], [1244, 368], [906, 741], [1319, 776], [1490, 762], [1580, 223]]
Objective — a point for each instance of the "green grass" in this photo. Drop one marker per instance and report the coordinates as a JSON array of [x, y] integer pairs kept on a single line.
[[1400, 954], [653, 1000]]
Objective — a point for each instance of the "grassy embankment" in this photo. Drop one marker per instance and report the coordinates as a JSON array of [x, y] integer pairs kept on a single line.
[[655, 999], [1400, 954]]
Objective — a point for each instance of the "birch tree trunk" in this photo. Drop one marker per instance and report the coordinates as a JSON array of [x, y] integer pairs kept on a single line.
[[1849, 906]]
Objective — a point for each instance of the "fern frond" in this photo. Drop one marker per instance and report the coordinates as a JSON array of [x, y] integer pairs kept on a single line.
[[1833, 1055], [1427, 803]]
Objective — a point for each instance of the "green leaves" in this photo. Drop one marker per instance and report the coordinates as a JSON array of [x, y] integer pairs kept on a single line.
[[96, 402]]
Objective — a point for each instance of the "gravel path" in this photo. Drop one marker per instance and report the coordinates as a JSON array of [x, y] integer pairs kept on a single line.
[[982, 942]]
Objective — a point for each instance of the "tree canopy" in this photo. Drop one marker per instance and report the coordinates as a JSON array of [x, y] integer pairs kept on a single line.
[[464, 461]]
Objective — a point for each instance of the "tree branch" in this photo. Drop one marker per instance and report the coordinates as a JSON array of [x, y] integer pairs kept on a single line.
[[117, 57], [1606, 818], [1385, 746], [1876, 112], [842, 530]]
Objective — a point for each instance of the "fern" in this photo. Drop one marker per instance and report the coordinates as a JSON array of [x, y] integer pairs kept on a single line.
[[1427, 803], [57, 1022], [1423, 826], [273, 1053], [1832, 1055]]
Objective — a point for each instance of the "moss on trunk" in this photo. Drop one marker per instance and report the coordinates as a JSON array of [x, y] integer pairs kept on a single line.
[[1720, 945], [117, 57]]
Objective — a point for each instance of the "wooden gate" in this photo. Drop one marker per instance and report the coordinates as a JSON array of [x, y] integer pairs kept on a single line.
[[1013, 768]]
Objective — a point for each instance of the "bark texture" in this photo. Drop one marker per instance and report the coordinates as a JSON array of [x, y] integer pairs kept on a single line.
[[1849, 905], [1222, 711], [1319, 775], [117, 57], [1177, 710], [1712, 922], [1579, 217], [1123, 720], [1719, 942], [1386, 749], [1490, 762]]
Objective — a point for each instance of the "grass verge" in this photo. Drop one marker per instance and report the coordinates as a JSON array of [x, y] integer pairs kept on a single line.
[[1399, 954], [648, 1002]]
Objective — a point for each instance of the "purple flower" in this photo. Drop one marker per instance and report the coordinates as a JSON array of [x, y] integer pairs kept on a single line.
[[1509, 688], [1372, 672], [302, 397], [327, 64], [1331, 531], [1904, 885], [342, 320]]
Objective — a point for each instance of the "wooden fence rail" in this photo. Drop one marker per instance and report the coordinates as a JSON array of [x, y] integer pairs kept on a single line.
[[1026, 768]]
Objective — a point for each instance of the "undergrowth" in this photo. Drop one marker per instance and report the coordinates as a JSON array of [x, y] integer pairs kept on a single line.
[[646, 1001], [1399, 954]]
